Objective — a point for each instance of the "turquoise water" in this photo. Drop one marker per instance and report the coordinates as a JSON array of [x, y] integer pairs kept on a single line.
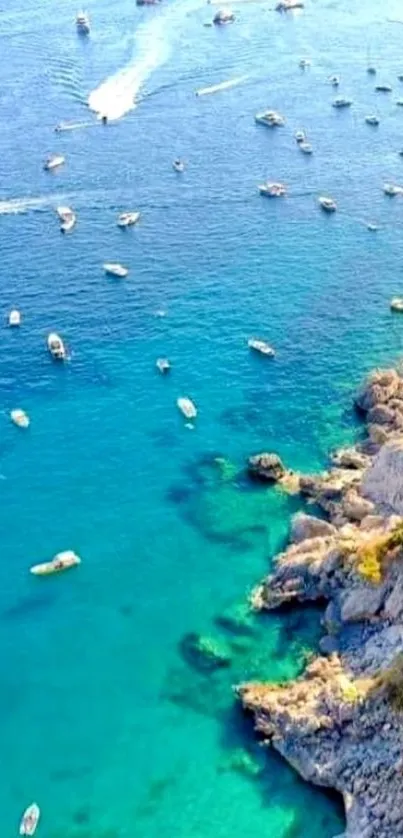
[[104, 720]]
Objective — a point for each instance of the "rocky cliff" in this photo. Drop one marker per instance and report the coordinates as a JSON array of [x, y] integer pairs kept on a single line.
[[341, 724]]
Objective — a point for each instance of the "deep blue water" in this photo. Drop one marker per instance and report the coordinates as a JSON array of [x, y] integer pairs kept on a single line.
[[102, 719]]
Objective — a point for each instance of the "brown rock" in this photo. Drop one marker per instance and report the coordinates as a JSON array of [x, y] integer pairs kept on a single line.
[[266, 467]]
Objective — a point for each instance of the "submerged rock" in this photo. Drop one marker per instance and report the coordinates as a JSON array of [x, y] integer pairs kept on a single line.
[[237, 618], [205, 653], [242, 761], [266, 467], [379, 388]]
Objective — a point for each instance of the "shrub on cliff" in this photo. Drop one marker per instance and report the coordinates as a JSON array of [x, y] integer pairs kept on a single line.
[[372, 556], [391, 682]]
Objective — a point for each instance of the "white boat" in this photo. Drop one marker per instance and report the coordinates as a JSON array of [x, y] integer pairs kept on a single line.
[[334, 81], [396, 304], [127, 219], [372, 227], [270, 118], [187, 407], [67, 219], [29, 820], [163, 365], [306, 148], [372, 120], [14, 318], [262, 347], [20, 418], [272, 190], [341, 102], [56, 347], [300, 136], [53, 162], [392, 190], [115, 269], [62, 561], [83, 23], [179, 166], [327, 204], [224, 16]]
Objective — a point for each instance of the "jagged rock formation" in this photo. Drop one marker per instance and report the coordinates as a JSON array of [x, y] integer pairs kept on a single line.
[[341, 723]]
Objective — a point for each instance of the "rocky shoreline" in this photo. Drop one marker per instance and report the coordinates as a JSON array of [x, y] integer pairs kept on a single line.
[[340, 724]]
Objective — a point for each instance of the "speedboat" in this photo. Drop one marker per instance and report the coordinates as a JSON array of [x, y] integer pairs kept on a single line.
[[83, 23], [14, 318], [62, 561], [300, 136], [115, 269], [392, 190], [21, 419], [224, 16], [179, 166], [396, 304], [187, 407], [56, 347], [327, 204], [127, 219], [270, 118], [272, 190], [67, 219], [53, 162], [306, 148], [372, 120], [29, 820], [262, 347], [334, 81], [383, 88], [163, 365], [341, 102], [304, 63]]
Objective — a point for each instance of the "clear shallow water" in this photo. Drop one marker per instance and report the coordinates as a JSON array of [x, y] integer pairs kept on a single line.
[[102, 719]]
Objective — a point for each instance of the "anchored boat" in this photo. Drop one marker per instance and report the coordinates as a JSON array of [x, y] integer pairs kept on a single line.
[[83, 23], [29, 820], [62, 561], [272, 190], [271, 119], [67, 219], [14, 318], [53, 162], [20, 418], [56, 347], [261, 347], [127, 219], [187, 407], [163, 365], [397, 304], [115, 269], [327, 204], [223, 16]]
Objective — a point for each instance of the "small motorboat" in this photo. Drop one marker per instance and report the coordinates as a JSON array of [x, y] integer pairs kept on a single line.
[[115, 269], [383, 88], [334, 81], [399, 103], [127, 219], [83, 23], [392, 190], [341, 102], [397, 304], [223, 16], [14, 318], [372, 120], [272, 119], [21, 419], [372, 227], [187, 407], [300, 136], [53, 162], [289, 5], [62, 561], [163, 365], [400, 77], [178, 166], [304, 63], [272, 190], [262, 347], [306, 148], [56, 347], [371, 70], [327, 204], [30, 819], [67, 219]]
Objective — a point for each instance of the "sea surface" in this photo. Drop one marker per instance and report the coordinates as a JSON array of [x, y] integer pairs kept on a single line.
[[106, 718]]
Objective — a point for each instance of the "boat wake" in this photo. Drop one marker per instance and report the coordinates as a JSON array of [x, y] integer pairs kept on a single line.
[[223, 85], [153, 41], [15, 206]]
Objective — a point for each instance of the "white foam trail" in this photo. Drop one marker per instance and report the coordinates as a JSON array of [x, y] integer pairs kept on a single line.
[[19, 205], [223, 85], [153, 42]]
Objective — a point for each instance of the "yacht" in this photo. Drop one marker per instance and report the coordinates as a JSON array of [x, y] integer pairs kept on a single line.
[[127, 219], [272, 190], [56, 347], [20, 418], [327, 204], [300, 136], [163, 365], [115, 269], [262, 347], [392, 190], [83, 23], [334, 81], [67, 219], [62, 561], [383, 88], [306, 148], [396, 304], [341, 102], [187, 407], [224, 16], [179, 166], [14, 318], [270, 118], [29, 820], [53, 162], [372, 120]]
